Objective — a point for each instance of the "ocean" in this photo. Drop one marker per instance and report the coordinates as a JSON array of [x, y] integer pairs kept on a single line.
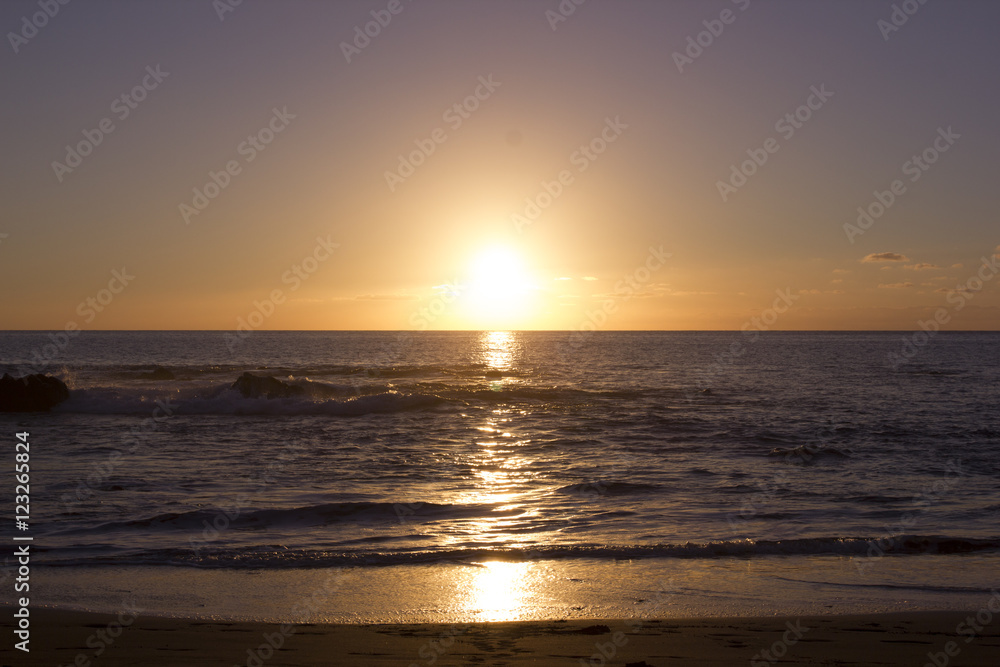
[[577, 474]]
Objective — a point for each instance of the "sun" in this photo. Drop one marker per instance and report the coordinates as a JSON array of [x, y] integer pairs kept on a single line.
[[500, 291]]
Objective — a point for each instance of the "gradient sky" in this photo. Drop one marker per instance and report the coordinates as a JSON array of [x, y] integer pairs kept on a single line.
[[441, 249]]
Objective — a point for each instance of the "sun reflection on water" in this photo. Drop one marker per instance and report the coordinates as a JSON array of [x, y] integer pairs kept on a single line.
[[497, 349], [498, 590], [501, 475]]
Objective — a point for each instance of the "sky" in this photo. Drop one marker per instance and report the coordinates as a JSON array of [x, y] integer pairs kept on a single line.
[[423, 164]]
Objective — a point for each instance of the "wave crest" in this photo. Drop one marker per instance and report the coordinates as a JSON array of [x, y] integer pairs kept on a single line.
[[277, 556]]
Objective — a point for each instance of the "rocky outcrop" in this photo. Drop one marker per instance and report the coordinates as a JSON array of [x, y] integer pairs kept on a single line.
[[31, 393]]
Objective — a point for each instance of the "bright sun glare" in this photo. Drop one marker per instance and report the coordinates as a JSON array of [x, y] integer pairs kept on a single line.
[[500, 291], [498, 591]]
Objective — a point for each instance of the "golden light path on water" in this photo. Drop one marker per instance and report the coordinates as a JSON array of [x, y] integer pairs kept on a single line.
[[498, 590], [498, 349]]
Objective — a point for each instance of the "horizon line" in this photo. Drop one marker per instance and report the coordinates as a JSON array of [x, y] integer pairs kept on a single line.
[[589, 331]]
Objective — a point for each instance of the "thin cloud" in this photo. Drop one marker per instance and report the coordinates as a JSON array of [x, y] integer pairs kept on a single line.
[[895, 285], [923, 266], [386, 297], [885, 257], [647, 291]]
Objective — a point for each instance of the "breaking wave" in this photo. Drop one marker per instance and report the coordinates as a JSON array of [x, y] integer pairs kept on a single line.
[[278, 556]]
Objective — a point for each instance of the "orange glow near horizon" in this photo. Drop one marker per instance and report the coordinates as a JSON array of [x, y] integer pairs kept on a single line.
[[278, 180]]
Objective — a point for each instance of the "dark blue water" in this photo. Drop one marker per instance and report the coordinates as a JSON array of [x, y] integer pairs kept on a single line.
[[391, 448]]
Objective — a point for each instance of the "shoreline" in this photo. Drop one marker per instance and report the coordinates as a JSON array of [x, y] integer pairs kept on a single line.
[[532, 590], [61, 637]]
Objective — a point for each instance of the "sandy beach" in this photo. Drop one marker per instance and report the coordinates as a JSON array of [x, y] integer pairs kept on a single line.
[[67, 637]]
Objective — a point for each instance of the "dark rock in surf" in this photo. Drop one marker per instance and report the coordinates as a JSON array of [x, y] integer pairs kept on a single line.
[[31, 393], [262, 386]]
